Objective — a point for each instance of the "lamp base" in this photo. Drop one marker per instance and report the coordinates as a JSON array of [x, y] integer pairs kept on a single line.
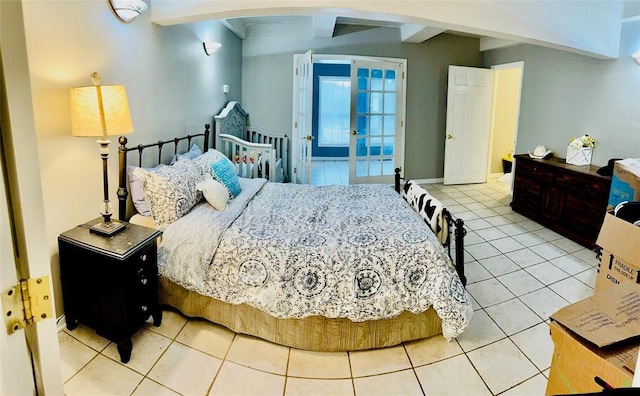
[[107, 228]]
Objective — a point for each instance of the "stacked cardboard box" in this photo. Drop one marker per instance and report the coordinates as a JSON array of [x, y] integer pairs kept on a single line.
[[625, 182], [598, 339]]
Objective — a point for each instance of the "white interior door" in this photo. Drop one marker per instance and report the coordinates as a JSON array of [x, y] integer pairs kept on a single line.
[[376, 146], [302, 113], [470, 95], [16, 374]]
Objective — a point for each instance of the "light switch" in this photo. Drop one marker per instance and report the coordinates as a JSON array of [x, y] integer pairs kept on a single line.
[[225, 88]]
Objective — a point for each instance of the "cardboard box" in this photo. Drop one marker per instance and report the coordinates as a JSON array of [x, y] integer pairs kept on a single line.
[[597, 337], [575, 364], [620, 260], [579, 156], [625, 182]]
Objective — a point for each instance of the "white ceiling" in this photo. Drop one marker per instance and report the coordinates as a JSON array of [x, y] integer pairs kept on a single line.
[[589, 27]]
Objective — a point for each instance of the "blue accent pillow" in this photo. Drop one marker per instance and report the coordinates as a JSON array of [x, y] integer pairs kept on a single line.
[[224, 172]]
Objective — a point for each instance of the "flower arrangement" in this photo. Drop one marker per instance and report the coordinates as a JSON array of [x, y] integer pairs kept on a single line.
[[582, 141]]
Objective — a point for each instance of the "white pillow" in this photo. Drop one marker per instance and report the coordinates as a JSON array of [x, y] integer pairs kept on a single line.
[[170, 192], [214, 192]]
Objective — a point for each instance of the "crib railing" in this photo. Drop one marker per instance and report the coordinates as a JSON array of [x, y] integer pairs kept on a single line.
[[277, 140], [252, 160]]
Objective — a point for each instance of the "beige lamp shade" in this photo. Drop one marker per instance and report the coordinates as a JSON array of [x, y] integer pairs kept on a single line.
[[100, 110]]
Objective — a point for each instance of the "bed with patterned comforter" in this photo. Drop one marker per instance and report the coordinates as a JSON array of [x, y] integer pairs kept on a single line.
[[293, 251]]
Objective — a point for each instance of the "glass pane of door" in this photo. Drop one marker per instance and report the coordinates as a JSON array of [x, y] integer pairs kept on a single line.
[[374, 120]]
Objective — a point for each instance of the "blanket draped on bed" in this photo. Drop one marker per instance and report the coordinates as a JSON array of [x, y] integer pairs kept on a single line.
[[293, 251]]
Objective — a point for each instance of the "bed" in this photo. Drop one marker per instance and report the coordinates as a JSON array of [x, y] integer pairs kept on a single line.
[[252, 149], [274, 270]]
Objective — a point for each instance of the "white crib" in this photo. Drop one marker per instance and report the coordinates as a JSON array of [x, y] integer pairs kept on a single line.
[[256, 152]]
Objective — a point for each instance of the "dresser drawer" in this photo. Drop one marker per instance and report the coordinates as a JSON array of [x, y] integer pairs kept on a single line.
[[535, 171], [586, 186]]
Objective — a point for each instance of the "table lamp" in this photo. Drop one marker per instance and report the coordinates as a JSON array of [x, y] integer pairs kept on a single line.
[[101, 111]]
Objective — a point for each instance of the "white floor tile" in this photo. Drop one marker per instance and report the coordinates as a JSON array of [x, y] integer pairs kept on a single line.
[[378, 361], [73, 355], [259, 354], [572, 290], [398, 383], [524, 257], [475, 272], [529, 239], [148, 387], [147, 348], [318, 387], [482, 250], [532, 387], [185, 370], [431, 350], [502, 365], [489, 292], [520, 282], [103, 376], [547, 273], [172, 323], [88, 336], [588, 277], [536, 343], [506, 245], [499, 265], [547, 251], [482, 331], [570, 264], [544, 302], [206, 337], [454, 376], [327, 365], [513, 316], [489, 234], [235, 379]]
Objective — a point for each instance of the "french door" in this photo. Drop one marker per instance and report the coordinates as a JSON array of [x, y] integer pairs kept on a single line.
[[376, 146], [302, 110]]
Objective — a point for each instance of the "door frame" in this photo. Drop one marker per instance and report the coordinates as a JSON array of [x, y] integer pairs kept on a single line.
[[337, 58], [503, 66]]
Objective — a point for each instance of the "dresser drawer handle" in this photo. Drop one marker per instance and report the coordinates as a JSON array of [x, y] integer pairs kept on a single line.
[[144, 281], [144, 308], [143, 257]]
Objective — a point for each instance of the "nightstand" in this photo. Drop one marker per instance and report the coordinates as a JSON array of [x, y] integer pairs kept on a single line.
[[110, 283]]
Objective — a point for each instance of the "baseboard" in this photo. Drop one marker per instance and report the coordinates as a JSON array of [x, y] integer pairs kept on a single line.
[[429, 181], [495, 176]]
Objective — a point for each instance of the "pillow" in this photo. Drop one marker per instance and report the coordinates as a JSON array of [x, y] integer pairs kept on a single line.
[[137, 195], [214, 192], [204, 161], [170, 192], [224, 172], [193, 152]]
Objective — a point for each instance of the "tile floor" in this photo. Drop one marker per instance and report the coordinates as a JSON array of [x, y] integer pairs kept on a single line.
[[326, 172], [518, 274]]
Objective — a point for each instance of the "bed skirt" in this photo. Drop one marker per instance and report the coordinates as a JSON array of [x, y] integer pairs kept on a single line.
[[314, 333]]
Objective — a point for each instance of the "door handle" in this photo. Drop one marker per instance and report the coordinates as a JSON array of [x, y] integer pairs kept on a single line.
[[353, 133], [449, 137], [308, 137]]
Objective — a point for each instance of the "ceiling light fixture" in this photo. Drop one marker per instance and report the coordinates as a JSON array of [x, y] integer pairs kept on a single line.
[[210, 47], [127, 10]]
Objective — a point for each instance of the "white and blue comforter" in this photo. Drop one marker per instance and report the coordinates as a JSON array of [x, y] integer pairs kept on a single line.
[[292, 251]]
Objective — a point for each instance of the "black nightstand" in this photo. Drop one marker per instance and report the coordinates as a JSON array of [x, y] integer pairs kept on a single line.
[[110, 283]]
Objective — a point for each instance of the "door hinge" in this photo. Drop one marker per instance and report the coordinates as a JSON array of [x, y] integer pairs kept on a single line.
[[27, 303], [295, 124], [403, 75]]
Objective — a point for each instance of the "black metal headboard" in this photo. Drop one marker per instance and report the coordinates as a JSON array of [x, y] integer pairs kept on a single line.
[[123, 150]]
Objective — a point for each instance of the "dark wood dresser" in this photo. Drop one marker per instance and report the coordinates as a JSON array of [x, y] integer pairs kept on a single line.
[[110, 283], [569, 199]]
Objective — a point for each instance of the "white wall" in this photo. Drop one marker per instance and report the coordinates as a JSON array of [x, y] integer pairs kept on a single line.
[[173, 89], [565, 95]]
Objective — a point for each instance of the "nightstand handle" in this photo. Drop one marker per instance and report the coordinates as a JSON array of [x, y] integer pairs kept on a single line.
[[143, 281], [143, 257], [144, 308]]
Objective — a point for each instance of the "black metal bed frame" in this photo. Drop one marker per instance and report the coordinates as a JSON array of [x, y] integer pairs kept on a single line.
[[454, 223], [123, 192]]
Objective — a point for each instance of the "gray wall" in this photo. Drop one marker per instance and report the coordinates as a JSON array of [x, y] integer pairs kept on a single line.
[[267, 86], [566, 95], [172, 86]]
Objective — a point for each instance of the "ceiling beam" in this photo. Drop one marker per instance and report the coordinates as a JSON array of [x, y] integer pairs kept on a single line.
[[411, 33], [237, 26], [323, 25], [490, 43]]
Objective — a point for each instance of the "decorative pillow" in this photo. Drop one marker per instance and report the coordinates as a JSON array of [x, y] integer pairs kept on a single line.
[[214, 192], [137, 195], [224, 172], [170, 192], [193, 152], [204, 161]]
